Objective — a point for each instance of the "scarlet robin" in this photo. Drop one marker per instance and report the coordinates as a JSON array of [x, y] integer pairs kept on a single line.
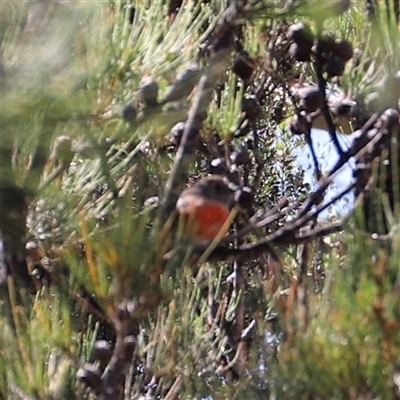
[[206, 207]]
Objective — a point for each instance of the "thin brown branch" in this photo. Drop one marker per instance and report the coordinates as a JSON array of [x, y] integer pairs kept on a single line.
[[313, 154], [290, 233], [220, 61], [360, 147], [324, 105]]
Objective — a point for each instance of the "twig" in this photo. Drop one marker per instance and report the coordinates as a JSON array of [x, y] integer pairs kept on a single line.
[[220, 61], [290, 233], [278, 239], [313, 154], [172, 393], [360, 147], [120, 362], [324, 105], [232, 363]]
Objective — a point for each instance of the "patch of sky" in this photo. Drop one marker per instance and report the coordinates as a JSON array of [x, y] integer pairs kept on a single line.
[[327, 157]]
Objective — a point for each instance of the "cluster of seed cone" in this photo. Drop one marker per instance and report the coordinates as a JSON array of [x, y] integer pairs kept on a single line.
[[331, 52]]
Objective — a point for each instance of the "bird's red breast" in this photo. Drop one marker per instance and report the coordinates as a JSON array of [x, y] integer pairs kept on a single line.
[[206, 220], [205, 207]]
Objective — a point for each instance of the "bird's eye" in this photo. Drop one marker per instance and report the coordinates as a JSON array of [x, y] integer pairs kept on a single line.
[[218, 186]]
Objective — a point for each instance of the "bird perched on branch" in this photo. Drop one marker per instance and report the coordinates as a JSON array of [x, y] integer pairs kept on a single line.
[[205, 206]]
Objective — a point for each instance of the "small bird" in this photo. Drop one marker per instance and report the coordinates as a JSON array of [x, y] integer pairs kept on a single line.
[[205, 206]]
